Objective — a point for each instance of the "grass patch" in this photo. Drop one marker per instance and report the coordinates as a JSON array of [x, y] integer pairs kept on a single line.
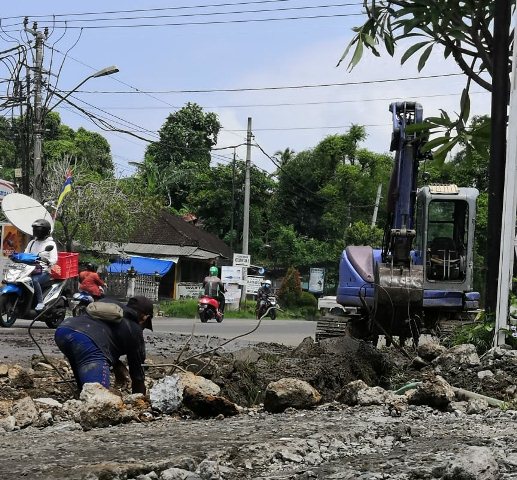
[[187, 308]]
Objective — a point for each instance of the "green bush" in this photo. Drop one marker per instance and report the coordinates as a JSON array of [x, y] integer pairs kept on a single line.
[[291, 288], [480, 334]]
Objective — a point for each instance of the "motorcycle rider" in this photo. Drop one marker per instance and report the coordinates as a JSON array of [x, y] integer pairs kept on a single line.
[[90, 282], [92, 345], [263, 293], [41, 274], [214, 287]]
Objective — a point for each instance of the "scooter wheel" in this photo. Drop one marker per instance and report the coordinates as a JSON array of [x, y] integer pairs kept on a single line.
[[272, 314], [7, 314]]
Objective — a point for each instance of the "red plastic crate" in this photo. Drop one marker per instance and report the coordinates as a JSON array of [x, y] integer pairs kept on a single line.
[[67, 266]]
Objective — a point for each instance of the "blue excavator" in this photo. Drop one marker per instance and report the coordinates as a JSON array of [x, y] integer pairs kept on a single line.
[[421, 280]]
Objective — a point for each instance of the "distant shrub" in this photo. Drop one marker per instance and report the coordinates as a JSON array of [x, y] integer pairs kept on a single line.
[[291, 288]]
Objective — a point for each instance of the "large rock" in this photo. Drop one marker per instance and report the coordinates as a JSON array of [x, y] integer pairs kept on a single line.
[[206, 405], [178, 474], [290, 392], [475, 463], [166, 395], [433, 391], [100, 408], [372, 396], [25, 412], [246, 355], [430, 350], [20, 377], [460, 356], [349, 393]]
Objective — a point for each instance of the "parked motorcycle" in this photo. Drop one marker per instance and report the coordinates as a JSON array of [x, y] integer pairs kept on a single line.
[[17, 299], [80, 300], [208, 308], [267, 307]]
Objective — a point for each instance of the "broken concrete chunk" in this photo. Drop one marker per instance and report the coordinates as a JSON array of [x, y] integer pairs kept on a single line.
[[457, 357], [25, 412], [178, 474], [290, 392], [246, 355], [100, 407], [430, 350], [349, 394], [208, 406], [167, 394], [475, 463], [433, 391]]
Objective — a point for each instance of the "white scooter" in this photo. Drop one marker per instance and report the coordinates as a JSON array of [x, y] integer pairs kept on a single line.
[[17, 299]]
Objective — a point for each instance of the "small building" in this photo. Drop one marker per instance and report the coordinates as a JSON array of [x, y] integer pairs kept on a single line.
[[179, 251]]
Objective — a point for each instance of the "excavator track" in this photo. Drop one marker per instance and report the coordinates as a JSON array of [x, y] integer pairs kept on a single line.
[[329, 325]]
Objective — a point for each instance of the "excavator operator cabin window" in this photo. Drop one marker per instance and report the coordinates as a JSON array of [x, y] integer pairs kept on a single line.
[[447, 240]]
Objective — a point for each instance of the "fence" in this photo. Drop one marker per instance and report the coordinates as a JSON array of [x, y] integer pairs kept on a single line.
[[119, 286]]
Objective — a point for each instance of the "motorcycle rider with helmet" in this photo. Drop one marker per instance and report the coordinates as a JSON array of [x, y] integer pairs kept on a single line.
[[214, 287], [41, 274], [90, 282], [263, 293]]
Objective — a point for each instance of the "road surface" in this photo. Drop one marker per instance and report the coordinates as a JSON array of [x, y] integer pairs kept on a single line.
[[286, 332]]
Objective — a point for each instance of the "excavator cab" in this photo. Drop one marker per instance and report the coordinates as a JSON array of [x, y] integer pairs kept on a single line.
[[445, 219]]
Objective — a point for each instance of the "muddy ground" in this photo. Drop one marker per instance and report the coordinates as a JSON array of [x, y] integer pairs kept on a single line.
[[332, 441]]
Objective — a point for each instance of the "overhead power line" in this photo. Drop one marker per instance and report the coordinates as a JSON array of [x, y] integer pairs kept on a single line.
[[69, 22], [281, 87], [211, 22], [162, 9]]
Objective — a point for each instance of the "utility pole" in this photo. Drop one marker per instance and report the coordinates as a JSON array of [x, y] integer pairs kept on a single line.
[[38, 114], [246, 222], [376, 208], [233, 199]]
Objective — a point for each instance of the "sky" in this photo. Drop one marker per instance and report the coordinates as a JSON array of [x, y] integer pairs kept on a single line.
[[200, 45]]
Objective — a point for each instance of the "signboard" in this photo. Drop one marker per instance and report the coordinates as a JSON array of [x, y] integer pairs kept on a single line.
[[232, 294], [12, 240], [189, 289], [241, 260], [5, 188], [253, 283], [231, 274], [316, 280]]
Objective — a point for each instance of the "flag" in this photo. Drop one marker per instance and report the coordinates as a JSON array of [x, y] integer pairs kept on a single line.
[[65, 189]]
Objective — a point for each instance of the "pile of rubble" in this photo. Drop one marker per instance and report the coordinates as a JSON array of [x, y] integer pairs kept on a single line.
[[454, 379]]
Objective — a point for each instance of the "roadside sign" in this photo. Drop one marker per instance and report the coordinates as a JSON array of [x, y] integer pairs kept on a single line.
[[6, 188], [253, 283], [231, 274], [316, 280], [233, 294], [241, 260]]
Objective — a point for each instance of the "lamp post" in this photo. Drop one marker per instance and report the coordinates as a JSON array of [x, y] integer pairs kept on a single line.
[[38, 116]]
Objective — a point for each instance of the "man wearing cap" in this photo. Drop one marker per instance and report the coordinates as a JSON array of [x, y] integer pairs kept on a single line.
[[92, 345]]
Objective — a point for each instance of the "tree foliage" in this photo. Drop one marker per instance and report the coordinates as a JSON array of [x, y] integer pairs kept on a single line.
[[96, 210], [462, 29], [186, 139]]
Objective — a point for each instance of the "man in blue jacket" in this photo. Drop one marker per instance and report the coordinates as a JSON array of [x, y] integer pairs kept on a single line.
[[92, 345]]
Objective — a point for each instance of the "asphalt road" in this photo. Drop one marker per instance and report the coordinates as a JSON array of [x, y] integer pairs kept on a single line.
[[286, 332]]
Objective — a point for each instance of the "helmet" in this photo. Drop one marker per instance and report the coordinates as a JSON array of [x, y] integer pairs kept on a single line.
[[90, 267], [267, 284], [41, 229], [214, 271]]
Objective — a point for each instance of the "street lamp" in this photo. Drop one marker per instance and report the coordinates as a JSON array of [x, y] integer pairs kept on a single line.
[[38, 117], [101, 73]]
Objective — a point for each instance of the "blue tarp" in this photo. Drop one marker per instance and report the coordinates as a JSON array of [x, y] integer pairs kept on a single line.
[[142, 265]]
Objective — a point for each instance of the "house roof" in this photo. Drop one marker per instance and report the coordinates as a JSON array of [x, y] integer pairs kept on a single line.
[[172, 230]]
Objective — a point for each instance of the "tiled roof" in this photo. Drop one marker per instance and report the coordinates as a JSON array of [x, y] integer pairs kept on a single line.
[[169, 229]]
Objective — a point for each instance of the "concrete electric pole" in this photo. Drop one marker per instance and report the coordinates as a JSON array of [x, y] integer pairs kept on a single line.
[[37, 123], [246, 223]]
